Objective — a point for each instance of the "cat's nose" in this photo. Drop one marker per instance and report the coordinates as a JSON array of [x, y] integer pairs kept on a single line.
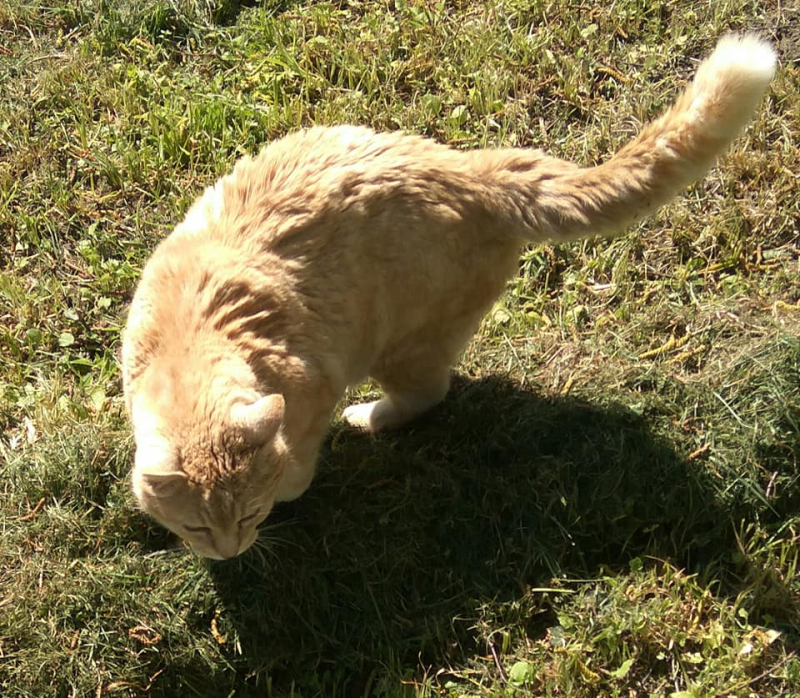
[[228, 549]]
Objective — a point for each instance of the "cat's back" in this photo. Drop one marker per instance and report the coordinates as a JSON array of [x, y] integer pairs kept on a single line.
[[312, 175], [324, 158]]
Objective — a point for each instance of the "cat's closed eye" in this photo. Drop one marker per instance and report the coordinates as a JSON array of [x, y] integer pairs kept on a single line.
[[197, 529], [247, 518]]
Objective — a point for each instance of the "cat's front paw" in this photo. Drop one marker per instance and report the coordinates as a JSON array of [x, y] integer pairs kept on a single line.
[[294, 483], [373, 416], [360, 416]]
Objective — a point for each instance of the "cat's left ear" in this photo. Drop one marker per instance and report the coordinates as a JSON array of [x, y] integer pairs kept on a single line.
[[259, 420]]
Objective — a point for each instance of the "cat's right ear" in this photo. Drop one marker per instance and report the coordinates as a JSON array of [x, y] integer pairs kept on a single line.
[[155, 473], [160, 485]]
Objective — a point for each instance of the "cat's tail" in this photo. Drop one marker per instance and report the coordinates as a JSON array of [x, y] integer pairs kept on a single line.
[[555, 200]]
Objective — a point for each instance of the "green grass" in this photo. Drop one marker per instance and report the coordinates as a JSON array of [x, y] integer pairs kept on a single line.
[[607, 503]]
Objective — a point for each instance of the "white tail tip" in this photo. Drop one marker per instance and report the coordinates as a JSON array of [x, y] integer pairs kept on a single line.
[[746, 56]]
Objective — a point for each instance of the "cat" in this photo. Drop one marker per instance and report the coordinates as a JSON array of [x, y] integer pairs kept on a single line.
[[340, 253]]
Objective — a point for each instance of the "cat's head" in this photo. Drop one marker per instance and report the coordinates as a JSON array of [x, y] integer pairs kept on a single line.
[[211, 481]]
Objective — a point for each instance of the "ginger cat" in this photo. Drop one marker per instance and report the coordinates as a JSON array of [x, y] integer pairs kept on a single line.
[[340, 253]]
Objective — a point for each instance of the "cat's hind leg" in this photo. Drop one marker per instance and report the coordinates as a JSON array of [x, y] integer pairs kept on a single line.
[[409, 393]]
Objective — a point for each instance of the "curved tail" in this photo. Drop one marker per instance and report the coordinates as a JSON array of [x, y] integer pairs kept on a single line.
[[556, 200]]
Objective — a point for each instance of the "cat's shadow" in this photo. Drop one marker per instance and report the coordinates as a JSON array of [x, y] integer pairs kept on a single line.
[[390, 556]]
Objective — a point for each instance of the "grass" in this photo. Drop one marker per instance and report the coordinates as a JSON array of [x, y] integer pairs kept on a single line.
[[607, 503]]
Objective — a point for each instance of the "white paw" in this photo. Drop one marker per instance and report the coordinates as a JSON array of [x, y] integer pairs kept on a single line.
[[361, 416], [295, 481]]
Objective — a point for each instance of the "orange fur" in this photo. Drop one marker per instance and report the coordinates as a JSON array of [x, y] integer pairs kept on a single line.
[[338, 254]]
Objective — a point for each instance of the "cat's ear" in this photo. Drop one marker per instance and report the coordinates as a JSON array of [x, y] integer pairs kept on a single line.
[[155, 484], [156, 472], [259, 420]]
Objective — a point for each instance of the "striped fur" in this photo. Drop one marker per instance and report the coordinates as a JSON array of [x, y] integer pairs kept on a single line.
[[338, 254]]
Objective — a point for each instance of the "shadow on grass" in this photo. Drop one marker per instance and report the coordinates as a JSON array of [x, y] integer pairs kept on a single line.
[[406, 542]]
